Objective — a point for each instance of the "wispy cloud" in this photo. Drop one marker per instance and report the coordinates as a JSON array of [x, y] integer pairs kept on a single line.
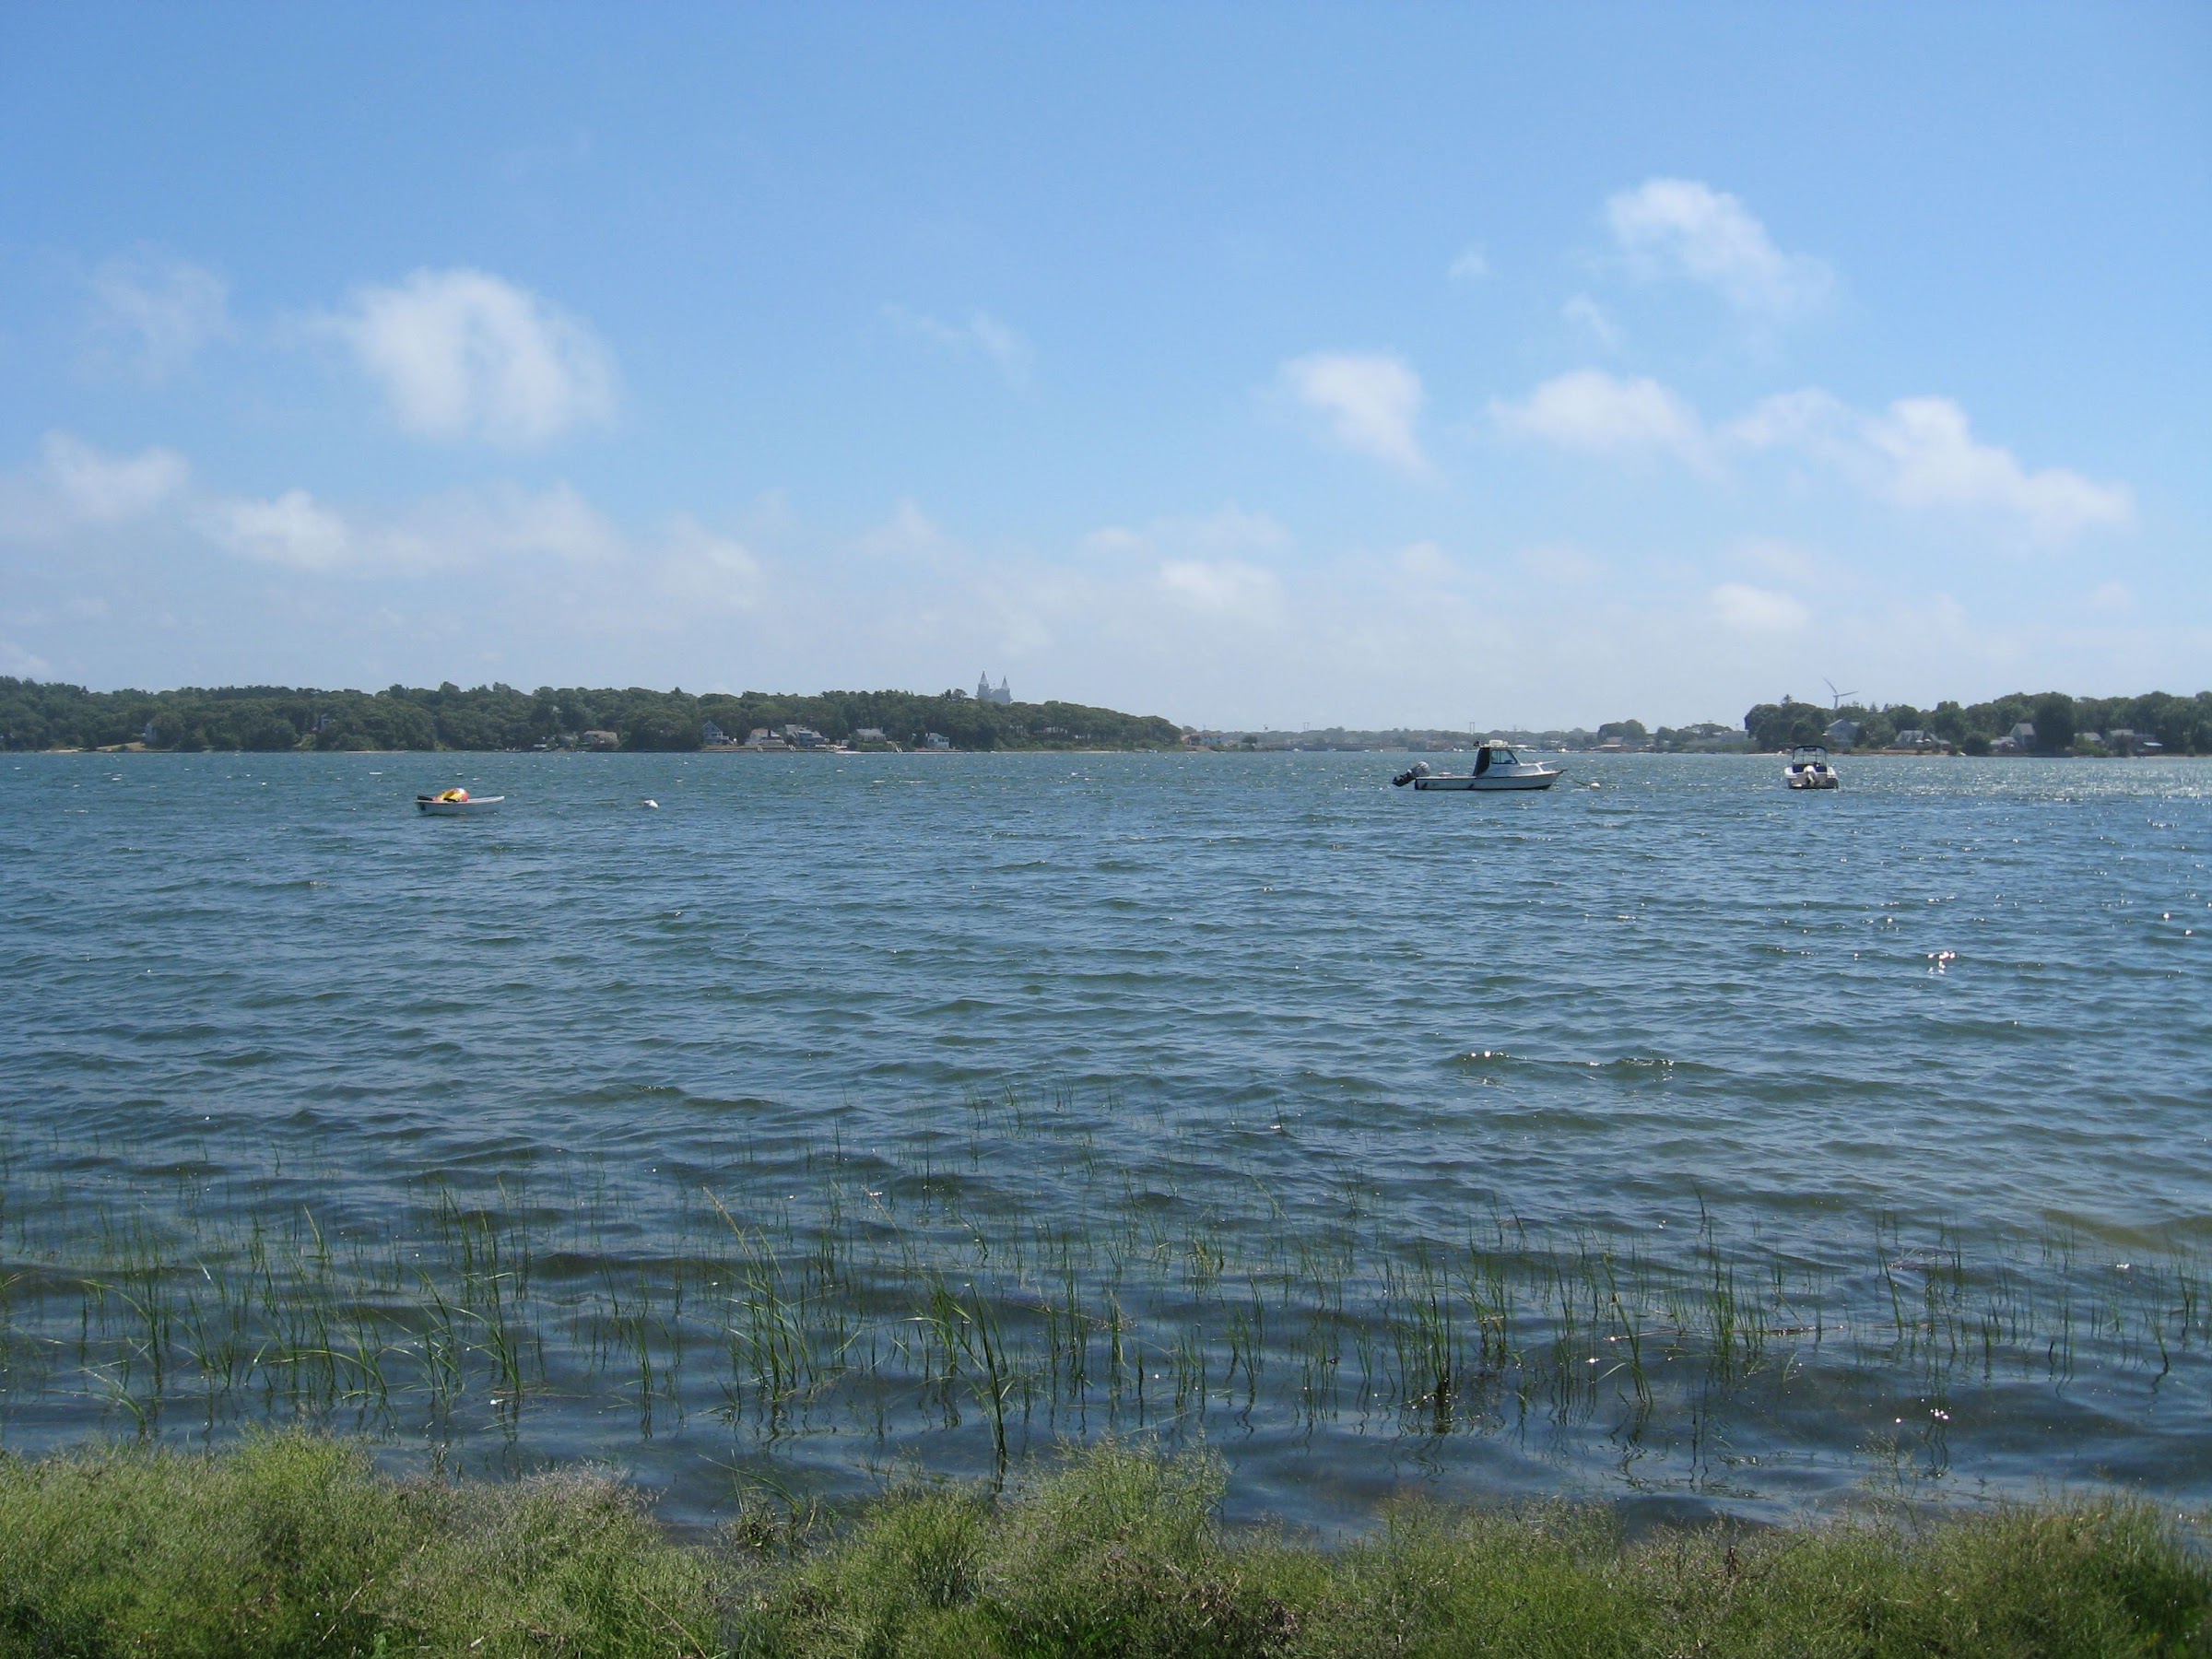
[[908, 530], [1369, 403], [1223, 587], [292, 529], [982, 334], [151, 314], [75, 486], [1599, 413], [1592, 318], [1933, 459], [1753, 610], [1921, 453], [453, 531], [1682, 227], [1469, 266], [462, 354], [108, 489]]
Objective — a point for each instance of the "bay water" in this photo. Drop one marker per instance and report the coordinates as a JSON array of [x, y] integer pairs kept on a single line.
[[1667, 1138]]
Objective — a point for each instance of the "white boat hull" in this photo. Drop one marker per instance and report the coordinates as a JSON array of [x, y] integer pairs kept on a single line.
[[1808, 780], [1542, 779], [430, 806]]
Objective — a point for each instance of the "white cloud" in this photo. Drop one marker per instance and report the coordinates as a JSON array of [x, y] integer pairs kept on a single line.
[[1809, 420], [1470, 267], [293, 529], [463, 353], [1684, 228], [1228, 533], [1921, 452], [1603, 414], [104, 489], [1006, 349], [1934, 460], [1207, 564], [703, 571], [1226, 587], [1757, 610], [1370, 400], [1114, 541], [908, 530], [1586, 314], [450, 532], [152, 315], [502, 521]]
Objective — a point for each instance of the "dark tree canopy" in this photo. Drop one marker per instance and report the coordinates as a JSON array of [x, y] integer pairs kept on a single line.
[[38, 715], [2181, 725]]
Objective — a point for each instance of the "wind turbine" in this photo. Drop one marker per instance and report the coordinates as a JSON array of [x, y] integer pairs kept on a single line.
[[1838, 696]]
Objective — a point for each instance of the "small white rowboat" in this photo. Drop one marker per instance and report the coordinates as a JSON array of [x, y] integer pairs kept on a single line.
[[456, 802]]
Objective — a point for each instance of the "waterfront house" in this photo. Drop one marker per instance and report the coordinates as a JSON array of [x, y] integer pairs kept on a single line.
[[935, 740], [601, 740]]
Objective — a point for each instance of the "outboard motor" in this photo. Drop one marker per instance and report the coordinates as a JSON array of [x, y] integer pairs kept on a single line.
[[1420, 769]]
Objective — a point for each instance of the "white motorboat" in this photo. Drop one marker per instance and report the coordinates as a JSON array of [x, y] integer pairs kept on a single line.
[[1496, 767], [456, 802], [1810, 769]]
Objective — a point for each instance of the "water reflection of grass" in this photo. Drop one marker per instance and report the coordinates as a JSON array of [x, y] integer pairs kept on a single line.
[[1018, 1276]]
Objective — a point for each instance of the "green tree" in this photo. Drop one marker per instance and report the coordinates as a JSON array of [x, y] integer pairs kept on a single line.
[[2054, 723]]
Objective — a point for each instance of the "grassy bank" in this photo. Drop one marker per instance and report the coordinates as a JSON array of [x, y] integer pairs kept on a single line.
[[292, 1544]]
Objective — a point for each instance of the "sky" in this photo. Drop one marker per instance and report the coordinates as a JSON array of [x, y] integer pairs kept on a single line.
[[1256, 366]]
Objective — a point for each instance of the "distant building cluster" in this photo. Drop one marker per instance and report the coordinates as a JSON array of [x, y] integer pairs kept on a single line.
[[983, 693]]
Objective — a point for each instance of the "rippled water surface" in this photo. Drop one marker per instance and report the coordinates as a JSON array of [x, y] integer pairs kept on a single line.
[[1668, 1137]]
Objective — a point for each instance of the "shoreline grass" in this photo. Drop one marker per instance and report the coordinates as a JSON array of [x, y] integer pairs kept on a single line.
[[290, 1543]]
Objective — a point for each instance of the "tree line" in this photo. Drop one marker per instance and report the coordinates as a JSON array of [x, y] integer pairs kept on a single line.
[[2063, 724], [43, 715]]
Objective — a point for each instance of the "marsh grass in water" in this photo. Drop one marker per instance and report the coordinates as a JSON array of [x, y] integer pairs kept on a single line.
[[292, 1544], [1011, 1281]]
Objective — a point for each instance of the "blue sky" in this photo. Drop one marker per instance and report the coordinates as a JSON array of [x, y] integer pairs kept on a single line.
[[1250, 365]]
